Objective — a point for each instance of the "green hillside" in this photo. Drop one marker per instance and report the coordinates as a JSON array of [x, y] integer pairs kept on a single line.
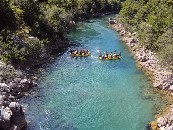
[[152, 20]]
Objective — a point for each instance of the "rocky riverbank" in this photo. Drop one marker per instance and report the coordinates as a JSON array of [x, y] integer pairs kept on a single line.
[[162, 77], [13, 85]]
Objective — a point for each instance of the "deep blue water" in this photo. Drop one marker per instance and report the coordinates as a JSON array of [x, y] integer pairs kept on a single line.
[[90, 94]]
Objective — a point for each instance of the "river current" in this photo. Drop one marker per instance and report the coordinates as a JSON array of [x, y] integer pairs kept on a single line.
[[86, 93]]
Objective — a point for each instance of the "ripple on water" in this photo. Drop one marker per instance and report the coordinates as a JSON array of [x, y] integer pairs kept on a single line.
[[90, 94]]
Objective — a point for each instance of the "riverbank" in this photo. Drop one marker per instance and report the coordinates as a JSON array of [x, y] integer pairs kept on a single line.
[[97, 96], [17, 83], [147, 60], [17, 79], [14, 85]]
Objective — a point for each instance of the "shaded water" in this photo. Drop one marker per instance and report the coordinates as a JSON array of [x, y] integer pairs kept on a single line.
[[89, 94]]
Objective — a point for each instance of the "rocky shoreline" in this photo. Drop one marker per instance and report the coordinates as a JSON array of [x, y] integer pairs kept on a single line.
[[13, 85], [162, 77]]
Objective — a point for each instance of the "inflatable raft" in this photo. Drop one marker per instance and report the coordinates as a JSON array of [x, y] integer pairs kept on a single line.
[[80, 55], [110, 58]]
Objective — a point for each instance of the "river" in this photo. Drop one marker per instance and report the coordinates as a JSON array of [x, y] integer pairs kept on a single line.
[[90, 94]]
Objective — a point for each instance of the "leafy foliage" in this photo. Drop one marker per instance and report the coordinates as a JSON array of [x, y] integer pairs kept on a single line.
[[152, 20], [18, 46], [27, 27]]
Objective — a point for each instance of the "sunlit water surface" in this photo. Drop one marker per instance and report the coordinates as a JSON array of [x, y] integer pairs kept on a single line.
[[90, 94]]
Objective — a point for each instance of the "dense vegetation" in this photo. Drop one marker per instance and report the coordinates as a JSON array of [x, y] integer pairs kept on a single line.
[[29, 27], [152, 20]]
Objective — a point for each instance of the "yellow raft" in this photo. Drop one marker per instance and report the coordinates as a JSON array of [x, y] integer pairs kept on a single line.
[[79, 55], [110, 58]]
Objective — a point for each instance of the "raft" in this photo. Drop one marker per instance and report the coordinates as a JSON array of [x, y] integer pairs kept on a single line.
[[110, 58], [78, 55]]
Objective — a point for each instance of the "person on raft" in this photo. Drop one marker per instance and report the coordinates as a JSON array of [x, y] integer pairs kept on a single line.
[[100, 54], [87, 52], [111, 55], [114, 53], [81, 51], [76, 52], [72, 51], [106, 55]]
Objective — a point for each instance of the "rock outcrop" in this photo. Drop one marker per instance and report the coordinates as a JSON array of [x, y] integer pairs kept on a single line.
[[13, 85], [163, 78], [12, 117]]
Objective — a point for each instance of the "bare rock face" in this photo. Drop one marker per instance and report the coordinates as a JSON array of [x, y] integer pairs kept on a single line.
[[165, 122], [13, 85], [12, 117]]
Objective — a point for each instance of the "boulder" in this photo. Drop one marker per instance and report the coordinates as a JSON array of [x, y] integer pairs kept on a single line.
[[169, 127], [17, 80], [25, 84], [161, 121], [132, 40], [171, 118], [132, 44], [7, 113], [24, 81], [162, 128], [14, 106], [3, 85], [171, 88], [12, 85], [144, 58], [19, 74]]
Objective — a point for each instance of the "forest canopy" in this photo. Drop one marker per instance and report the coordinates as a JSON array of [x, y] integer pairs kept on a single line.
[[27, 27], [152, 21]]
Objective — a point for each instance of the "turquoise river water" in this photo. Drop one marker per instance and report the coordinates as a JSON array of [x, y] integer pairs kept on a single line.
[[87, 93]]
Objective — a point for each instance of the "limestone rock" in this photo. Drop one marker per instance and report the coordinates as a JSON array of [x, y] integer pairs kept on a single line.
[[7, 113], [17, 80], [169, 127], [19, 74], [162, 128], [171, 88], [161, 121], [157, 85]]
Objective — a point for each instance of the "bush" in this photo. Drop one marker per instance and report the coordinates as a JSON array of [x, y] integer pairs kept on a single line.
[[18, 45], [45, 20], [166, 56], [152, 20]]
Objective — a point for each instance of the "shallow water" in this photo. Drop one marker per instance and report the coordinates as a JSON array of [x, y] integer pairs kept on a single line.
[[90, 94]]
